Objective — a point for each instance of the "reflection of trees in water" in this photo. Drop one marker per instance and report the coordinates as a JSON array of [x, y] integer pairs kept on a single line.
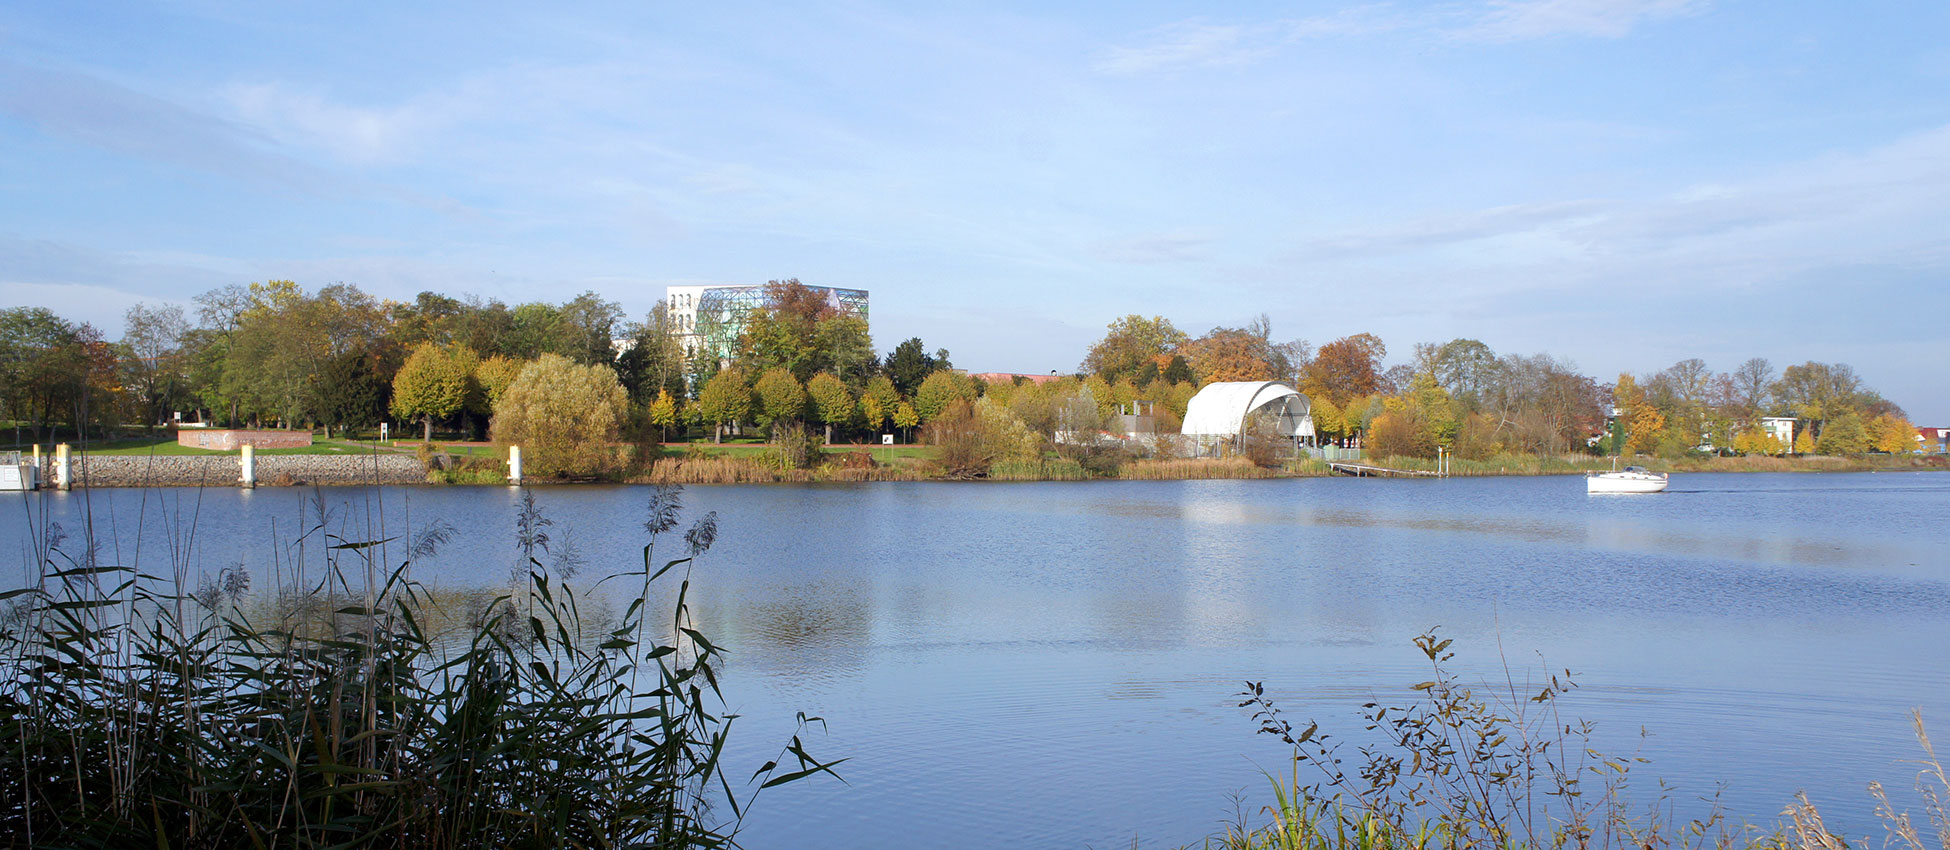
[[817, 629]]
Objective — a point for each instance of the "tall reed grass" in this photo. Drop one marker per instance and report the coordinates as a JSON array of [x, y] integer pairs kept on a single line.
[[1173, 469], [1503, 768], [136, 712]]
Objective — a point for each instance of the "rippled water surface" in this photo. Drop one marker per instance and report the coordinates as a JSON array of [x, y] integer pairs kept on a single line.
[[1054, 664]]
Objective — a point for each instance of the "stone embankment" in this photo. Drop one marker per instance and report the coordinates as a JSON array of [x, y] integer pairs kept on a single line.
[[222, 470]]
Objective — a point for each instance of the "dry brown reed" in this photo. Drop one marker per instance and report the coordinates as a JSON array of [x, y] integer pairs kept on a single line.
[[1176, 469]]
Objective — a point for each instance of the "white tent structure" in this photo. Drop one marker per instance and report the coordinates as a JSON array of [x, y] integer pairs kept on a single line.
[[1220, 411]]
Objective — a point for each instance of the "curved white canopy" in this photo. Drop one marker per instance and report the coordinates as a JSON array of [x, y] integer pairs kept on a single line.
[[1220, 409]]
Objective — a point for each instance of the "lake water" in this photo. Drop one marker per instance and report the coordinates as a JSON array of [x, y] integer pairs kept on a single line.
[[1055, 664]]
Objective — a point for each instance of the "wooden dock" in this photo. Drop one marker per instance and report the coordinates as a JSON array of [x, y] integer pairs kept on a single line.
[[1364, 471]]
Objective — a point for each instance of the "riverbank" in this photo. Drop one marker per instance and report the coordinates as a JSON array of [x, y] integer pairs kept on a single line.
[[483, 465]]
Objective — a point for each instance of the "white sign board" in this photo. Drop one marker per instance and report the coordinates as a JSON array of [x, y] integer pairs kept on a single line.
[[886, 439]]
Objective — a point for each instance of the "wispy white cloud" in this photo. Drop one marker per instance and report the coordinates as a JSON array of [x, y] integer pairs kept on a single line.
[[1819, 217], [354, 134], [1197, 44], [1200, 44], [1521, 20], [106, 115]]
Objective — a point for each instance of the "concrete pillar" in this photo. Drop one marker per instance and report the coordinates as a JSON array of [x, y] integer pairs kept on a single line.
[[247, 467], [63, 471], [514, 465]]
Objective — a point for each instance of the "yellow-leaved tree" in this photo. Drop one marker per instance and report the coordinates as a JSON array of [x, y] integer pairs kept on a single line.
[[1893, 434], [1643, 421], [431, 385], [565, 417]]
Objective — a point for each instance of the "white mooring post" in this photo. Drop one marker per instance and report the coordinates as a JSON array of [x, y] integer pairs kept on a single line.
[[514, 466], [63, 471], [247, 467]]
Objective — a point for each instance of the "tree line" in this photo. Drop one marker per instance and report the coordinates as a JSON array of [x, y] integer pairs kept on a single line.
[[273, 354], [1464, 397]]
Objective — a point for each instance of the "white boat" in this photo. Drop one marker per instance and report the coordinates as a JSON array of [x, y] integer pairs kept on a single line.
[[1631, 479]]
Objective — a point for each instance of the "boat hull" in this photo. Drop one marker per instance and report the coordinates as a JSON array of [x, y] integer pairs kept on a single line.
[[1615, 483]]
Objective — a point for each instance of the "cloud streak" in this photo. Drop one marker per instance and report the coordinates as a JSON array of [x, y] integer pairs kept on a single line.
[[1196, 44], [102, 114]]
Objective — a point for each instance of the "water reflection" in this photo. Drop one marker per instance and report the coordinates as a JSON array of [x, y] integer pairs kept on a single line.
[[1057, 662]]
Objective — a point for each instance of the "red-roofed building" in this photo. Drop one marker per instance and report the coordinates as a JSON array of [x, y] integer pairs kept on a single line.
[[1933, 441], [1010, 377]]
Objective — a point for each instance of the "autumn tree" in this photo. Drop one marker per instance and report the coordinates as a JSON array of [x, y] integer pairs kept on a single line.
[[831, 401], [663, 413], [905, 417], [431, 385], [1643, 421], [1751, 381], [1244, 354], [1132, 341], [1346, 368], [565, 416], [1892, 433], [724, 399]]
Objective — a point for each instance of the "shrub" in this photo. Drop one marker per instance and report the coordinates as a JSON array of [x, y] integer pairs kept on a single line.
[[564, 416], [794, 446]]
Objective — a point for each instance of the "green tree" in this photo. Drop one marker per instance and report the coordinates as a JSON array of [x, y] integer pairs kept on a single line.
[[831, 400], [910, 364], [431, 385], [347, 393], [882, 389], [152, 359], [492, 376], [780, 397], [872, 413], [724, 399], [938, 390], [654, 360], [565, 416], [1179, 371], [1844, 435]]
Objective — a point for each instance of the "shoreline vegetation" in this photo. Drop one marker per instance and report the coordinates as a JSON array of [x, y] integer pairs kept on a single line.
[[590, 395], [342, 703], [482, 464], [1502, 765]]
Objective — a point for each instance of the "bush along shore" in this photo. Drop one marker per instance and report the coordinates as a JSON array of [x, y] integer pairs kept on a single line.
[[770, 463], [1501, 767]]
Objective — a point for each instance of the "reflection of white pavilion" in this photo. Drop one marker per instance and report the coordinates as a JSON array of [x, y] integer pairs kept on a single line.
[[1221, 412]]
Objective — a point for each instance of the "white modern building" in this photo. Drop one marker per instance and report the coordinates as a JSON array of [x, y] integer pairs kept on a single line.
[[713, 316], [1222, 413]]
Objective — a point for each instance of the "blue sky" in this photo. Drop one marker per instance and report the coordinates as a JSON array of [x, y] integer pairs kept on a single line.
[[1621, 182]]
